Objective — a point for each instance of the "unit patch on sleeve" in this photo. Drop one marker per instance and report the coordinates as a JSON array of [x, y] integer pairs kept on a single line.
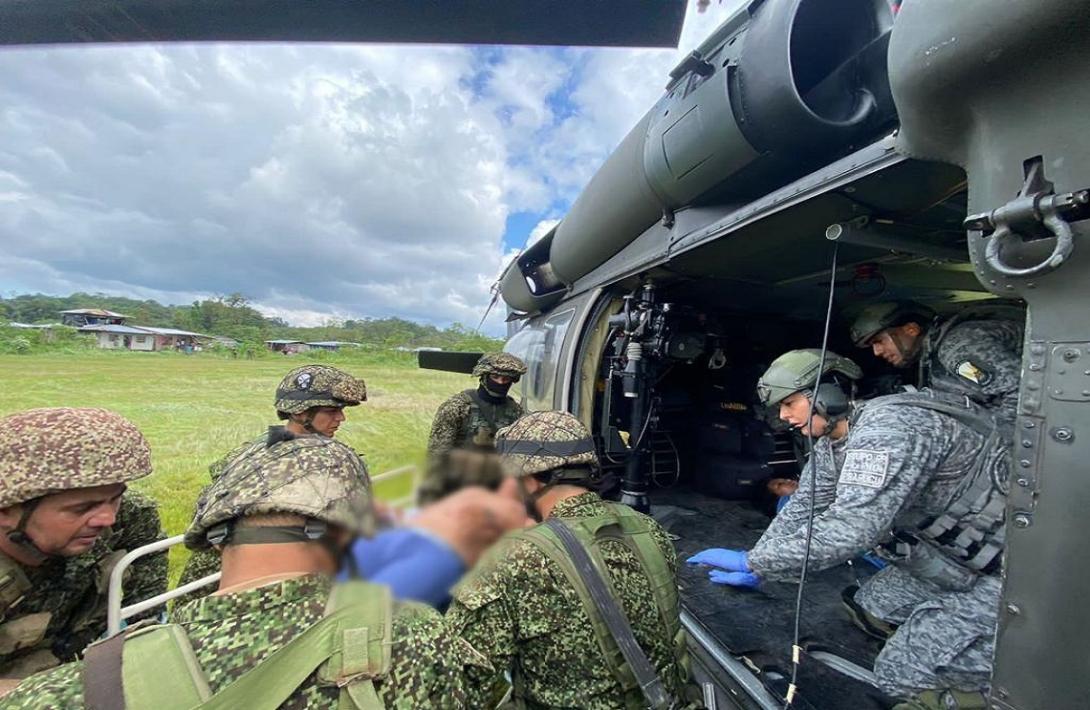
[[865, 468]]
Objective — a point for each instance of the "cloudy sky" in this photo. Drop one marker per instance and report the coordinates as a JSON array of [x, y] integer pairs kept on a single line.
[[320, 181]]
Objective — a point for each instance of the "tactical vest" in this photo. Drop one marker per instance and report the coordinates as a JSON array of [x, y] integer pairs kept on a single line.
[[629, 528], [484, 420], [19, 632], [967, 539], [155, 666]]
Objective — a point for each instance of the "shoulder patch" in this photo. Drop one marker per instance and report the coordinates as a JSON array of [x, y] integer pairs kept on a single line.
[[971, 372], [865, 468]]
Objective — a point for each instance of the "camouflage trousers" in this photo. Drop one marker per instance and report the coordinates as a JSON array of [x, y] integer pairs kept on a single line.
[[200, 564], [945, 639]]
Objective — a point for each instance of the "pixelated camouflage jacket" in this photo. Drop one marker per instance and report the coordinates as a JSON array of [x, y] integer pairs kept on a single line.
[[455, 426], [518, 608], [232, 633], [981, 358], [72, 592], [452, 426], [826, 460], [901, 463]]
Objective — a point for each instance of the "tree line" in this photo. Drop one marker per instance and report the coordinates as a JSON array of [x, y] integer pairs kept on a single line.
[[233, 316]]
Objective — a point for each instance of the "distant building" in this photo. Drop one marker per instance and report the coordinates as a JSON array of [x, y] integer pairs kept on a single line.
[[121, 337], [80, 317], [145, 338], [287, 347], [221, 340], [331, 345]]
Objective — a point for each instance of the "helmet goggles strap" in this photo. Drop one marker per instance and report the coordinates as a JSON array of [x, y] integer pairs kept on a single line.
[[313, 530], [19, 535]]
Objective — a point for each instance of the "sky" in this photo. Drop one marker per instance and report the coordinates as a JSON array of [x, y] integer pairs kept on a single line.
[[322, 182]]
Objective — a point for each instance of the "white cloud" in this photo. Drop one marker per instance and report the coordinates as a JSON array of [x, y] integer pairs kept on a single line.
[[321, 181]]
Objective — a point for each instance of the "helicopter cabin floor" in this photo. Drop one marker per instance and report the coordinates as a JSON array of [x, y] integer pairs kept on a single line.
[[757, 626]]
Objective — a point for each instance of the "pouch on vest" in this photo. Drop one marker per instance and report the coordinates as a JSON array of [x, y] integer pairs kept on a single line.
[[155, 666]]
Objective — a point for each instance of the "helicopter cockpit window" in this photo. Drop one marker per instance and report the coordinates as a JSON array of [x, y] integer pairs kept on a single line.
[[539, 345]]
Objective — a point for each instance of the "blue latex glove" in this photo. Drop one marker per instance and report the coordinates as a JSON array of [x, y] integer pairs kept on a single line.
[[730, 560], [734, 579], [415, 565]]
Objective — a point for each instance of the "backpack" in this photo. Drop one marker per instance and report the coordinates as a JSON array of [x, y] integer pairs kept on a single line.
[[154, 666], [625, 525]]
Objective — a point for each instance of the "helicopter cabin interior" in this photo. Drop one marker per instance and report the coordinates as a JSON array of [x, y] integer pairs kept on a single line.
[[718, 313]]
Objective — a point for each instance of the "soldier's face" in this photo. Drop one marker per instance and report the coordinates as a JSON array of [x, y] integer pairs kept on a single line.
[[327, 420], [898, 346], [67, 524], [795, 410]]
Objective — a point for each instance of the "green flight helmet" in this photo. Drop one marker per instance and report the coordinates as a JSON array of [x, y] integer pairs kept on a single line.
[[876, 317], [797, 371]]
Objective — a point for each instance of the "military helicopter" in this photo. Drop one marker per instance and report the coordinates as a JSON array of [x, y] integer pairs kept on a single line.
[[938, 149], [805, 152]]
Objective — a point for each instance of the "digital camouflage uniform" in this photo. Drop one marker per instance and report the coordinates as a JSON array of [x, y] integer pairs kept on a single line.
[[302, 388], [828, 455], [470, 420], [63, 607], [322, 481], [902, 464], [521, 611], [977, 352]]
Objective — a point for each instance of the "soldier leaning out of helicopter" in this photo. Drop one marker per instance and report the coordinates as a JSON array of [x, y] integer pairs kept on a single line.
[[916, 475]]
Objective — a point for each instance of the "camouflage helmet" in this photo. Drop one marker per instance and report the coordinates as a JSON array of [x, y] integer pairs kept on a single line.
[[318, 386], [56, 449], [797, 371], [876, 317], [312, 476], [542, 441], [502, 364]]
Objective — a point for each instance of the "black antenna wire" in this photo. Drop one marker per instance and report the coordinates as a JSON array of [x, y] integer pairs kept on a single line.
[[796, 650]]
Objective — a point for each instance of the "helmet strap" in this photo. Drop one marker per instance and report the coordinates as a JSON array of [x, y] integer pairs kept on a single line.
[[530, 499], [19, 536]]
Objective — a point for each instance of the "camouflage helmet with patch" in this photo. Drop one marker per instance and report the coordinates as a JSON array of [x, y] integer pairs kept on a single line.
[[502, 364], [56, 449], [314, 477], [876, 317], [318, 386], [798, 371], [543, 441]]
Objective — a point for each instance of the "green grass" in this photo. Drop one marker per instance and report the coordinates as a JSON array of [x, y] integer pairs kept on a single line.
[[195, 408]]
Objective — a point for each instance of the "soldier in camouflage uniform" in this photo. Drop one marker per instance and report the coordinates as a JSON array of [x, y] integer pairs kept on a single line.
[[310, 400], [924, 477], [977, 353], [470, 420], [65, 521], [526, 608], [284, 519]]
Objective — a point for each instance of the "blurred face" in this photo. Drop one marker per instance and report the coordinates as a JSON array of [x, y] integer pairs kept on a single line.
[[795, 409], [898, 346], [326, 420], [68, 523], [782, 486], [500, 380]]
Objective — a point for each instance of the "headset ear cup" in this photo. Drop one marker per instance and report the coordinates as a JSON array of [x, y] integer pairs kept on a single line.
[[830, 399]]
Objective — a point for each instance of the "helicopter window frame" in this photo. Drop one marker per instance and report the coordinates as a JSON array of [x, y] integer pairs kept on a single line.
[[539, 344]]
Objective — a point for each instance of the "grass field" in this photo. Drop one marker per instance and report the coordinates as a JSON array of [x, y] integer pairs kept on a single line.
[[195, 408]]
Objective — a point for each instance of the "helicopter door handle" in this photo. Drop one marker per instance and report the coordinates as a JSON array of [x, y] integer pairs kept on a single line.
[[1025, 210]]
